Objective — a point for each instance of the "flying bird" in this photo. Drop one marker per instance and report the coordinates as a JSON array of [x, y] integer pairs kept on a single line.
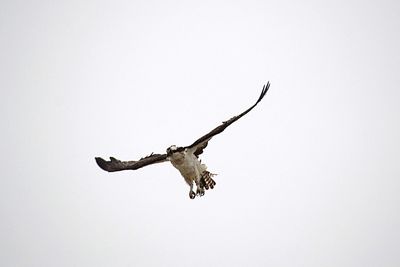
[[185, 159]]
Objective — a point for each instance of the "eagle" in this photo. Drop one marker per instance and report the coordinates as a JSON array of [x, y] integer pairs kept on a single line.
[[184, 158]]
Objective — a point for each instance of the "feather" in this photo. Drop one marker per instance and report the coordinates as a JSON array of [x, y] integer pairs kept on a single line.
[[114, 164], [198, 146]]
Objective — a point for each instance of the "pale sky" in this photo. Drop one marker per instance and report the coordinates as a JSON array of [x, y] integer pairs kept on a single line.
[[310, 177]]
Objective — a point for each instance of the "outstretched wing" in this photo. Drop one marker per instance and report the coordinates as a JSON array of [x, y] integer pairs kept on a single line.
[[201, 143], [114, 164]]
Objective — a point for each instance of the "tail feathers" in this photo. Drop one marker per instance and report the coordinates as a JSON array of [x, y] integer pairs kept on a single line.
[[206, 180]]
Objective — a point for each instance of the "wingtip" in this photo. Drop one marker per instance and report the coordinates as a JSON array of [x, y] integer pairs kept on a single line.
[[264, 91], [266, 87], [101, 163]]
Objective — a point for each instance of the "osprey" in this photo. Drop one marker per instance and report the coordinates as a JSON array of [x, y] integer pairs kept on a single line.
[[185, 159]]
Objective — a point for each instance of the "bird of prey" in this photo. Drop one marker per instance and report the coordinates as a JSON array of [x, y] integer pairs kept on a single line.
[[185, 159]]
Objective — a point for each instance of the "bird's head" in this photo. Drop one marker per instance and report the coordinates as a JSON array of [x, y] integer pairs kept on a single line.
[[171, 150]]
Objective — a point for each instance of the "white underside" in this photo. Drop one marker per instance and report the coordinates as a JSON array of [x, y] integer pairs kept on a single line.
[[188, 165]]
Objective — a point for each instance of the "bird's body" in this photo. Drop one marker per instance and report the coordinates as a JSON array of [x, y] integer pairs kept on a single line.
[[185, 159], [188, 165], [192, 170]]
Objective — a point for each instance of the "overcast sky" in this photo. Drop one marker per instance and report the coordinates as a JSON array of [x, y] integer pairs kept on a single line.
[[308, 178]]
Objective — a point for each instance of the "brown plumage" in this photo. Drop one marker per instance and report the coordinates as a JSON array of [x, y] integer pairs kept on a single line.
[[185, 159]]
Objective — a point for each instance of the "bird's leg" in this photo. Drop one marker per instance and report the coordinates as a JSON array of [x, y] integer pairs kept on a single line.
[[200, 189], [192, 194]]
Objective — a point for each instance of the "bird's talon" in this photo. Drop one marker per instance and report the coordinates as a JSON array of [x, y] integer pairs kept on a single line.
[[200, 192]]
